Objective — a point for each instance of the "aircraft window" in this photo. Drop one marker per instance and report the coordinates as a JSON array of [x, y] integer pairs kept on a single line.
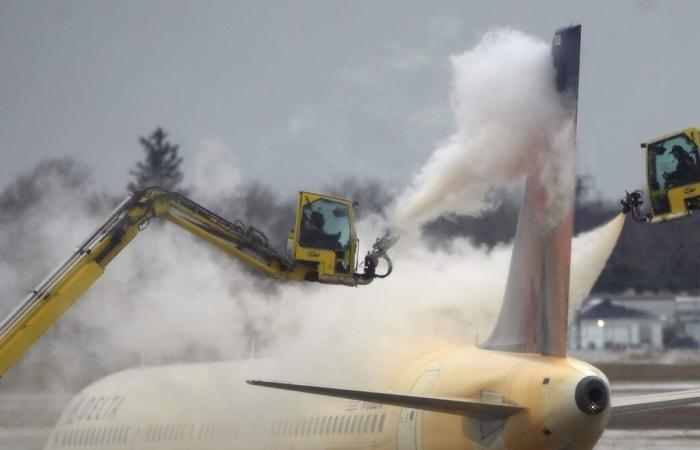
[[674, 161], [374, 423], [322, 430], [325, 224], [303, 426], [328, 425], [353, 427], [341, 425], [81, 436], [381, 423]]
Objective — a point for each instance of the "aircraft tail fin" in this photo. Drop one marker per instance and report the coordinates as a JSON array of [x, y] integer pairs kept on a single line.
[[533, 318]]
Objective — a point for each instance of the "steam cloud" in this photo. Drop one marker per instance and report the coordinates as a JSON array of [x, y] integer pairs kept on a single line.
[[169, 297], [509, 120]]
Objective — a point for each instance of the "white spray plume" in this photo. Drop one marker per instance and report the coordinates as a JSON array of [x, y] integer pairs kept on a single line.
[[508, 114], [589, 253]]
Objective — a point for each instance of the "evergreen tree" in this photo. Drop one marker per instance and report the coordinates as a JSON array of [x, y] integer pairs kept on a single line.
[[161, 166]]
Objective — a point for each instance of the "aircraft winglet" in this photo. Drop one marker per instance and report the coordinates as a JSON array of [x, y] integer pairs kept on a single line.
[[468, 407]]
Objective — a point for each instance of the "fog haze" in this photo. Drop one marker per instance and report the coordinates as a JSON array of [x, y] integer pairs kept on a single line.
[[301, 93]]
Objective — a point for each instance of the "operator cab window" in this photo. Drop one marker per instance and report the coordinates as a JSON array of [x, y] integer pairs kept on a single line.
[[325, 224], [672, 162]]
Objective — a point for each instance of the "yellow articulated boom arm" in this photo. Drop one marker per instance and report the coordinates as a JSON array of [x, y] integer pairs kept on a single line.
[[322, 248]]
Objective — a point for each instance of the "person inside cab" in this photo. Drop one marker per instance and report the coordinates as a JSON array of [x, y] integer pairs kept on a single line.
[[685, 167], [313, 234]]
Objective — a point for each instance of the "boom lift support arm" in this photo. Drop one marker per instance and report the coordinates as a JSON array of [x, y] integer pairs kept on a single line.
[[65, 284]]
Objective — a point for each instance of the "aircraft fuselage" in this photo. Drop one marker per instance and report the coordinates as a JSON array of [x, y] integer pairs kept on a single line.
[[208, 406]]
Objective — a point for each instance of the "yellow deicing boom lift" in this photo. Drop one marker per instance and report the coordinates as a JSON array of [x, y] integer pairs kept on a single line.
[[322, 247], [673, 178]]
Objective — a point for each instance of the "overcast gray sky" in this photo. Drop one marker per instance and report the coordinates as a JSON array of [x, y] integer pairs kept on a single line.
[[301, 93]]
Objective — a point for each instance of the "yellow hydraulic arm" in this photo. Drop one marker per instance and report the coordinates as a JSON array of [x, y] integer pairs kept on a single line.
[[62, 287]]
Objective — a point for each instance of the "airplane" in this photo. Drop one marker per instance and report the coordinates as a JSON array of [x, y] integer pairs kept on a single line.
[[518, 390]]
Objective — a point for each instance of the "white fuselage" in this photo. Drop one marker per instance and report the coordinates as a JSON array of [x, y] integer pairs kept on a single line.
[[208, 406]]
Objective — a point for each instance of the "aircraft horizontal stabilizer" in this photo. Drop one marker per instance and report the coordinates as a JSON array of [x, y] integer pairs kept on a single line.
[[467, 407], [636, 403]]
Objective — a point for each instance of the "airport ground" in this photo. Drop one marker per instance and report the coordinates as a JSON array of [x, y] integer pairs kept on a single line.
[[26, 419]]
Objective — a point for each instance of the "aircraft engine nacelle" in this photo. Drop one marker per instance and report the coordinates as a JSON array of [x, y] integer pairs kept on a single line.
[[568, 406]]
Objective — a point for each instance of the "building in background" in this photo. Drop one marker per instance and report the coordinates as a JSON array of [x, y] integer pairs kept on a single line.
[[601, 324], [688, 316]]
